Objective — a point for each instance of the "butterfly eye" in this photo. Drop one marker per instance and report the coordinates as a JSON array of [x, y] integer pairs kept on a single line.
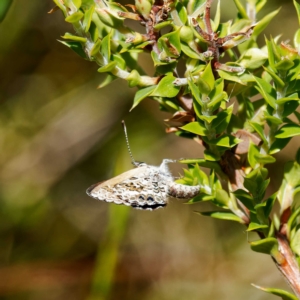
[[141, 164]]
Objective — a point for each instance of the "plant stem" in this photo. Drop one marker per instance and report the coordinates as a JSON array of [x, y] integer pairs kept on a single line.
[[288, 264]]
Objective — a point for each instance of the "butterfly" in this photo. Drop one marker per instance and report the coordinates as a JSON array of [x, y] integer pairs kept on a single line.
[[144, 187]]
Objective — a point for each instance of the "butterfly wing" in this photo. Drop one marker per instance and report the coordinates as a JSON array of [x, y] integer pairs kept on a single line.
[[141, 188]]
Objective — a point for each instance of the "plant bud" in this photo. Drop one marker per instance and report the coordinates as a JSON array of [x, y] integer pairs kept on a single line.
[[186, 34], [144, 7]]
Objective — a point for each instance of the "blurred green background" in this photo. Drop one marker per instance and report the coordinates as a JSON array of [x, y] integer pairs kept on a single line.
[[58, 135]]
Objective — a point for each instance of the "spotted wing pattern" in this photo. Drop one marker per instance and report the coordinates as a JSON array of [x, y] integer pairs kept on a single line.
[[142, 188]]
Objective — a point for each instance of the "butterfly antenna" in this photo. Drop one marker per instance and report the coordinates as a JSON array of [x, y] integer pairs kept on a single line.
[[127, 143]]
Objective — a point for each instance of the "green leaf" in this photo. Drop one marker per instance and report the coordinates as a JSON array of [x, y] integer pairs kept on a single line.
[[241, 9], [295, 242], [289, 185], [293, 97], [264, 159], [198, 110], [273, 120], [297, 46], [297, 6], [218, 88], [134, 79], [108, 79], [223, 215], [171, 104], [256, 227], [268, 204], [208, 76], [189, 52], [141, 95], [195, 7], [245, 198], [252, 153], [260, 4], [289, 108], [241, 79], [207, 119], [4, 7], [278, 81], [201, 197], [266, 91], [61, 6], [105, 46], [226, 28], [292, 222], [294, 72], [253, 58], [260, 130], [195, 92], [215, 183], [71, 37], [76, 47], [96, 48], [203, 86], [211, 156], [284, 64], [271, 54], [188, 176], [195, 127], [157, 61], [259, 217], [297, 157], [201, 177], [267, 245], [224, 140], [107, 68], [217, 17], [277, 292], [256, 184], [216, 100], [77, 16], [110, 18], [88, 15], [121, 63], [170, 42], [287, 131], [94, 32], [160, 26], [222, 198], [203, 163], [278, 145], [77, 3], [166, 88], [223, 118], [264, 22], [182, 14]]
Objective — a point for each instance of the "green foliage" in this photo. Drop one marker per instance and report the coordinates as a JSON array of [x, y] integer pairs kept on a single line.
[[4, 7], [277, 292], [239, 138], [267, 245]]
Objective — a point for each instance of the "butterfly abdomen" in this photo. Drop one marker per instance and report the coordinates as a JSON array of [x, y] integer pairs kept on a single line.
[[181, 191]]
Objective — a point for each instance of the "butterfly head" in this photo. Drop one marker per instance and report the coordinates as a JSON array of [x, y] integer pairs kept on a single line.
[[139, 164]]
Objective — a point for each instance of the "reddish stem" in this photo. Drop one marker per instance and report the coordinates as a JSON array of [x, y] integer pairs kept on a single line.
[[288, 264], [207, 17]]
